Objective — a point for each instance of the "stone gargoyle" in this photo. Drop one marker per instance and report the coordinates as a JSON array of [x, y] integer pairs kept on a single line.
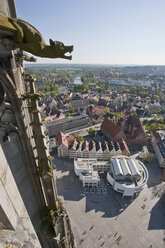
[[29, 39]]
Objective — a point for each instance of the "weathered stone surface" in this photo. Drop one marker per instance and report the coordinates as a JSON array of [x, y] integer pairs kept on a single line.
[[13, 215], [28, 191], [15, 160]]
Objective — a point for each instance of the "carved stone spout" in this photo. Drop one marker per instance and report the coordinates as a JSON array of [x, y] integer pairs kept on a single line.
[[29, 39]]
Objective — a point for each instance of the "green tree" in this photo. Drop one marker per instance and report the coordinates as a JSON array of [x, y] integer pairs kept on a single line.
[[154, 111], [68, 114], [145, 121], [79, 139], [91, 132], [80, 88], [72, 110], [107, 110], [117, 114], [100, 90], [134, 114], [151, 127], [55, 107], [52, 93], [66, 99], [147, 158], [131, 99], [145, 113]]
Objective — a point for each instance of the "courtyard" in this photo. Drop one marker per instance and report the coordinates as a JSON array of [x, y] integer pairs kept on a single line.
[[102, 218]]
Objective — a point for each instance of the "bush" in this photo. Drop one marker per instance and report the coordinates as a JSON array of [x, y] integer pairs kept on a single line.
[[147, 158], [107, 110], [91, 132], [145, 121], [135, 114], [79, 138], [55, 107], [154, 111], [71, 110], [151, 127], [117, 114]]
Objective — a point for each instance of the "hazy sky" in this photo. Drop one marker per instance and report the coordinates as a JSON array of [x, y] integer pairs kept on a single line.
[[102, 31]]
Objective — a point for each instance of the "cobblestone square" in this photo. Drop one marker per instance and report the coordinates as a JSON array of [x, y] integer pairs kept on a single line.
[[102, 218]]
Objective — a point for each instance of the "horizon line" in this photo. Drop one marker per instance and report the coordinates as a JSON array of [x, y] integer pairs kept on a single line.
[[46, 63]]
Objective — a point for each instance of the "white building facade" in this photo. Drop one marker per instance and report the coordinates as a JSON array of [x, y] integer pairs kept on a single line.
[[100, 151], [87, 170], [158, 143], [127, 176]]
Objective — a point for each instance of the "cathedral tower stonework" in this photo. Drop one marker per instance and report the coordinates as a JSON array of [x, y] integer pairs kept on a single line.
[[31, 215]]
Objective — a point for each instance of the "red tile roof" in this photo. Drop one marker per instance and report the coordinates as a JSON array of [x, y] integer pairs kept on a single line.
[[129, 126], [110, 127], [49, 119], [123, 145], [61, 139], [98, 111], [70, 139], [55, 112], [157, 135], [85, 145]]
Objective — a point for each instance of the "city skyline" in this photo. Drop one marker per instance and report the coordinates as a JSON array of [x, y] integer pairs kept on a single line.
[[107, 32]]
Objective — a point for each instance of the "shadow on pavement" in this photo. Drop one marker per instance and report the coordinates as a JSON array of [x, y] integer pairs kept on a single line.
[[70, 188], [111, 205], [61, 164], [155, 174], [157, 218]]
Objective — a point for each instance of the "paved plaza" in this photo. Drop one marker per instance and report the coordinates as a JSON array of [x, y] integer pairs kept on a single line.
[[101, 218]]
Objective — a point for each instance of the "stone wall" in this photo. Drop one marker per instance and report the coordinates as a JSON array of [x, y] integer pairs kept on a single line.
[[14, 158], [28, 200], [15, 224]]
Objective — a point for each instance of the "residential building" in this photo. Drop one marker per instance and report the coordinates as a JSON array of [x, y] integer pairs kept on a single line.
[[92, 149], [124, 148], [74, 149], [92, 111], [96, 114], [104, 101], [94, 99], [120, 99], [79, 103], [85, 150], [53, 103], [52, 143], [158, 143], [111, 130], [154, 106], [62, 145], [98, 150], [53, 115], [128, 128], [60, 104]]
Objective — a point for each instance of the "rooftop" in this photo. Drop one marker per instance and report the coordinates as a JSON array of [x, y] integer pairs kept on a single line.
[[126, 169], [61, 139], [129, 127], [82, 163]]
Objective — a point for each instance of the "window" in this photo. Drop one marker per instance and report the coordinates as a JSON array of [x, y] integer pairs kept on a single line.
[[119, 190]]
